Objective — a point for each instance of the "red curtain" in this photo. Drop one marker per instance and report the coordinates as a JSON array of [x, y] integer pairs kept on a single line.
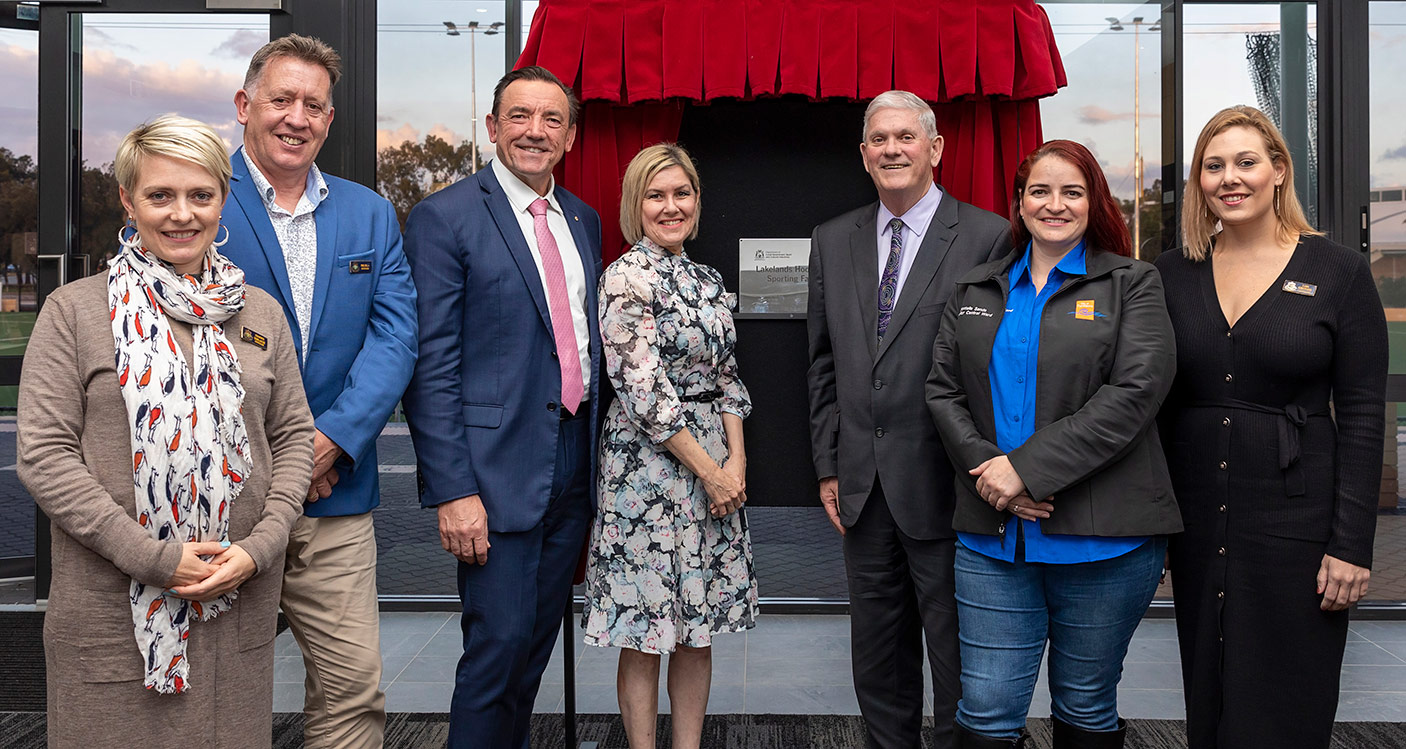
[[637, 63]]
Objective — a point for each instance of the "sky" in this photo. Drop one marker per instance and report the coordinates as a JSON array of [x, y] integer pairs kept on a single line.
[[138, 66]]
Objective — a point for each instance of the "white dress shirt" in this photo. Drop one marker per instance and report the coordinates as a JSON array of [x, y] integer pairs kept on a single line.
[[520, 196], [915, 226], [297, 236]]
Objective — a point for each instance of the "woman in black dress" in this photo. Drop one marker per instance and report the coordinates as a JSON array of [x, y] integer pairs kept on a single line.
[[1278, 491]]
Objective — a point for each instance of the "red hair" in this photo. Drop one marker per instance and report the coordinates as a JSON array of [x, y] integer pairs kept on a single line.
[[1107, 231]]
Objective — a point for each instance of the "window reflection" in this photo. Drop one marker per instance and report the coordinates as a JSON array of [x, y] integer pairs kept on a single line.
[[428, 129], [19, 219], [138, 66], [1264, 55], [1386, 211], [1106, 107]]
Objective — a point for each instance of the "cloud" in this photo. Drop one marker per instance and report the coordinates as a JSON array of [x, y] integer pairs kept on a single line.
[[19, 99], [96, 37], [1396, 153], [242, 44], [386, 138], [119, 94], [390, 138], [445, 134], [1093, 114]]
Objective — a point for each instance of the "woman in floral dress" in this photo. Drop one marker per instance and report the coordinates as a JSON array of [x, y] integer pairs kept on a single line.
[[671, 561]]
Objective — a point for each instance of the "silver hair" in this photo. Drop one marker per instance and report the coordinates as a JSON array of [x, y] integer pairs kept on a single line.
[[902, 100]]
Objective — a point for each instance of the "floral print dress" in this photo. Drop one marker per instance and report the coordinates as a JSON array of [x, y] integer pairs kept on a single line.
[[663, 572]]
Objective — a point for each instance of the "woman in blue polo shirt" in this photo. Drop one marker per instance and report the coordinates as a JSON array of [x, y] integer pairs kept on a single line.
[[1048, 372]]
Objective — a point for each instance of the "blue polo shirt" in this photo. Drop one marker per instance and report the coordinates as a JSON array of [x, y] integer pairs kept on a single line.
[[1015, 356]]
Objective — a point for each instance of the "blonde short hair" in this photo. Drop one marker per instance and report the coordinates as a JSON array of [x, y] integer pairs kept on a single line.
[[642, 170], [1198, 224], [177, 137]]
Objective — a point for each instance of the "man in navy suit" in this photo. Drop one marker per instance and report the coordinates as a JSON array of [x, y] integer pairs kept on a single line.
[[330, 251], [503, 402]]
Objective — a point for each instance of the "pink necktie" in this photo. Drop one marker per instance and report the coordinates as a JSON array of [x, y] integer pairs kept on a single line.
[[558, 304]]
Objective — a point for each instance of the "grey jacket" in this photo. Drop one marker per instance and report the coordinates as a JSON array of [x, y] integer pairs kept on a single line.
[[1102, 375], [867, 420]]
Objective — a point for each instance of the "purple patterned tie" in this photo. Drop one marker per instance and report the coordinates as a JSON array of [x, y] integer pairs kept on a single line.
[[888, 285], [563, 329]]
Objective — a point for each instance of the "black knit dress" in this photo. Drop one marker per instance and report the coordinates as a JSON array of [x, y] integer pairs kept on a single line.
[[1268, 482]]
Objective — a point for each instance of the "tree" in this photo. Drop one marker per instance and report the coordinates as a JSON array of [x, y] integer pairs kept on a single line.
[[1151, 216], [407, 173]]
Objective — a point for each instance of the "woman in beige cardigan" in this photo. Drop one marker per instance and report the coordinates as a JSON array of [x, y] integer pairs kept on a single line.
[[164, 431]]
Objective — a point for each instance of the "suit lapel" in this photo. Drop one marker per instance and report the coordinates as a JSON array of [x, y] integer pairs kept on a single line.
[[326, 218], [508, 226], [936, 241], [246, 193], [864, 255], [588, 259]]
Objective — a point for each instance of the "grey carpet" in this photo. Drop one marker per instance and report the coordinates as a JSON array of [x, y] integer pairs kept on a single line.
[[429, 730]]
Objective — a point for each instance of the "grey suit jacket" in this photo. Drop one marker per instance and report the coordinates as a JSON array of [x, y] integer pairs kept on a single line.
[[868, 414]]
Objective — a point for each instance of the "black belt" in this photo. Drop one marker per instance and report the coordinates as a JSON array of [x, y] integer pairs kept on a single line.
[[1292, 419], [582, 408], [707, 396]]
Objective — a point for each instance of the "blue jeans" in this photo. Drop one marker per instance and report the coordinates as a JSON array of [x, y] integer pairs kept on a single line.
[[1087, 611]]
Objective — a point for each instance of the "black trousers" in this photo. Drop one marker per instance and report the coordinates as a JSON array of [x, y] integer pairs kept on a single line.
[[900, 590]]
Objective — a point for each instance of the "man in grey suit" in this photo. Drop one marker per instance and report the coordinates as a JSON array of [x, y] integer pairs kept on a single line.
[[879, 276]]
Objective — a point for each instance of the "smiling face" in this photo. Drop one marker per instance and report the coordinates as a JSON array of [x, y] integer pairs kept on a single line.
[[176, 205], [1238, 179], [532, 130], [670, 209], [286, 117], [1055, 205], [899, 157]]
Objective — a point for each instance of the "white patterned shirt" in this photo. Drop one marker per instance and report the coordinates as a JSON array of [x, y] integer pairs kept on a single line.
[[297, 236]]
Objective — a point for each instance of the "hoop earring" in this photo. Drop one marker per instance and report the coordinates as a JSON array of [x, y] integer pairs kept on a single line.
[[218, 243], [131, 241]]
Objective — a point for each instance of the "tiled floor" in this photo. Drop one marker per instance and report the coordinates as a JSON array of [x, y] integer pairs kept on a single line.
[[800, 664]]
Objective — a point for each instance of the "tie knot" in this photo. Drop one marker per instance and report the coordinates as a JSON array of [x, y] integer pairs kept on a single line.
[[896, 225], [538, 208]]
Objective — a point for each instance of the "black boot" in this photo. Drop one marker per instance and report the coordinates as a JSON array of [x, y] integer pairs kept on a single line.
[[1069, 737], [969, 740]]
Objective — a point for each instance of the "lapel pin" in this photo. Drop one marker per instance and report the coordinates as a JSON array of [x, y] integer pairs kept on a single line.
[[258, 339], [1300, 288]]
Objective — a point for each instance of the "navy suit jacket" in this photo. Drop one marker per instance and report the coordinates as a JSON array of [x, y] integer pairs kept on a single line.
[[363, 333], [482, 405]]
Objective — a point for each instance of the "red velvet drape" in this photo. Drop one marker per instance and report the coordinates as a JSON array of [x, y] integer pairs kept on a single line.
[[636, 63]]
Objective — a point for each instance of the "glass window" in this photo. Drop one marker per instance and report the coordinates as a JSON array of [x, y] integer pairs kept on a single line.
[[138, 66], [19, 222], [1113, 104], [1387, 228], [428, 129], [1264, 55]]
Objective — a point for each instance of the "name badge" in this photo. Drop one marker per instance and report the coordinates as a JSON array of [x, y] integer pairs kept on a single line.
[[1301, 288], [258, 339], [1084, 309], [361, 266]]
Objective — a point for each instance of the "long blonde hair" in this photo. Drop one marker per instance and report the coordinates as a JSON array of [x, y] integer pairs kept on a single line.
[[1198, 224]]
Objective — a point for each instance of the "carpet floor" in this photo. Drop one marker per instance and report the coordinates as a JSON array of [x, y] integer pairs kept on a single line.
[[430, 730]]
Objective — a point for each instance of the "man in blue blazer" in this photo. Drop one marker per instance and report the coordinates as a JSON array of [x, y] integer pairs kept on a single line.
[[330, 251], [502, 406]]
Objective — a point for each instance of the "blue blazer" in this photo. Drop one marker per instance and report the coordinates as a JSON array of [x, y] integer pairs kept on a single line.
[[482, 405], [363, 333]]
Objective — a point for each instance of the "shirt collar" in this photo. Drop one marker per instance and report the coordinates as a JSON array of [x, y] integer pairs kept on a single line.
[[1072, 264], [314, 192], [520, 196], [919, 217]]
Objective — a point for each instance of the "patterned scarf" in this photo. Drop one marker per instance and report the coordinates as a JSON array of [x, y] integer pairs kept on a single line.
[[190, 452]]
